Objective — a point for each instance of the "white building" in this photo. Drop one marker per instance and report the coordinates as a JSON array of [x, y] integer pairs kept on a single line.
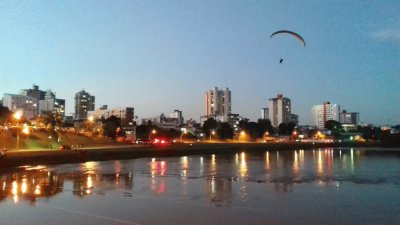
[[163, 122], [178, 115], [322, 113], [279, 110], [25, 104], [51, 104], [126, 114], [84, 102], [264, 113], [218, 103]]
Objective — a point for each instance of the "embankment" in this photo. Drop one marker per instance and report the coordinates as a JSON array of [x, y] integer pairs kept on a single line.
[[52, 156]]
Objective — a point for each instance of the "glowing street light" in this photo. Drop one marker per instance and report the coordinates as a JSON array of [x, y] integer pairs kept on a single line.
[[242, 135], [25, 130], [153, 132], [212, 133], [294, 134], [91, 118], [17, 116], [184, 131]]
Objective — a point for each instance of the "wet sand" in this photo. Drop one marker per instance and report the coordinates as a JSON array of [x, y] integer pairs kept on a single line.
[[55, 156]]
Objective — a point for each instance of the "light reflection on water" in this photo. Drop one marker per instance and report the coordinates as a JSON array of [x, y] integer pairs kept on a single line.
[[218, 180]]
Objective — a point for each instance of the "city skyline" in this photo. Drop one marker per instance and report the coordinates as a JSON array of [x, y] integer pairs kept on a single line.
[[159, 56]]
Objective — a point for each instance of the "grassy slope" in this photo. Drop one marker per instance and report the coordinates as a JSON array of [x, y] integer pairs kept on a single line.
[[41, 140]]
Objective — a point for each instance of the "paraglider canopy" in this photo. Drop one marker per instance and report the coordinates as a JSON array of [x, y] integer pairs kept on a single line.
[[297, 36]]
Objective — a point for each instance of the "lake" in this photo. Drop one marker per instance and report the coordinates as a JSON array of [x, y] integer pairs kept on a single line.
[[321, 186]]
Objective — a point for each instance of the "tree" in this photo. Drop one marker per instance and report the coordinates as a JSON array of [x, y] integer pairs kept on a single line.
[[367, 132], [225, 131], [264, 125], [209, 124], [283, 129], [4, 114], [252, 130], [333, 125], [290, 127], [110, 126]]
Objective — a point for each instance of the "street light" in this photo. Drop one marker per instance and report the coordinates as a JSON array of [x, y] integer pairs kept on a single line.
[[17, 116], [154, 131], [242, 135], [184, 131], [212, 133], [294, 134]]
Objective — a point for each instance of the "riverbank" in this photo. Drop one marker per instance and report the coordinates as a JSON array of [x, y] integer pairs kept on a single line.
[[118, 152]]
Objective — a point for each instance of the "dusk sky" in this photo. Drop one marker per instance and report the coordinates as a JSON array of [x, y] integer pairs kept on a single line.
[[157, 56]]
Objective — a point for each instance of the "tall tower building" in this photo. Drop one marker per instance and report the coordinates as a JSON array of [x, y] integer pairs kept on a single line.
[[349, 117], [178, 115], [51, 104], [84, 102], [322, 113], [218, 103], [279, 110], [264, 113]]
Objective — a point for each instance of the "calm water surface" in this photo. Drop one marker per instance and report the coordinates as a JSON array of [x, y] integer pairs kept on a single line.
[[325, 186]]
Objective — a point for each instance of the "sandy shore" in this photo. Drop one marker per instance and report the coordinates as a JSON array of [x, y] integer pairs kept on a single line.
[[53, 156]]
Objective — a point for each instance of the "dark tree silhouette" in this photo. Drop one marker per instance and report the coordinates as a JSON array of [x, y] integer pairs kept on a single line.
[[225, 131], [264, 125], [5, 113], [283, 129], [110, 126], [290, 127], [209, 124], [333, 125]]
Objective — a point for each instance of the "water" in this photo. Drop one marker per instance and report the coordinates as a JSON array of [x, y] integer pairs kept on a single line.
[[326, 186]]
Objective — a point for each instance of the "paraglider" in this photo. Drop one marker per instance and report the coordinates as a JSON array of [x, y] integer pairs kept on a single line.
[[295, 35]]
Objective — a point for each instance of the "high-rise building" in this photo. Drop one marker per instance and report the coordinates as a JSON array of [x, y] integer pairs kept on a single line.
[[294, 118], [84, 102], [178, 115], [322, 113], [349, 117], [279, 110], [35, 92], [51, 104], [218, 103], [264, 113]]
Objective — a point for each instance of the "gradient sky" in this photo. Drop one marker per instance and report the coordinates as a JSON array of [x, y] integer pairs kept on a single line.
[[158, 56]]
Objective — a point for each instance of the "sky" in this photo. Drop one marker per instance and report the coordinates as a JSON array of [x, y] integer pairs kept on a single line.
[[157, 56]]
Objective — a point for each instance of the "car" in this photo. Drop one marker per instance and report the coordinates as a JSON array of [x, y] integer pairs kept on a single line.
[[142, 141], [65, 147], [3, 151]]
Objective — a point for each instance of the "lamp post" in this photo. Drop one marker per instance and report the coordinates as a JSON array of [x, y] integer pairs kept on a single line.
[[17, 116], [184, 131], [89, 126], [152, 132], [212, 133], [242, 135], [294, 135]]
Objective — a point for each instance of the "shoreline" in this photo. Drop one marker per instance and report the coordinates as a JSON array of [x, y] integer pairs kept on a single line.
[[117, 152]]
